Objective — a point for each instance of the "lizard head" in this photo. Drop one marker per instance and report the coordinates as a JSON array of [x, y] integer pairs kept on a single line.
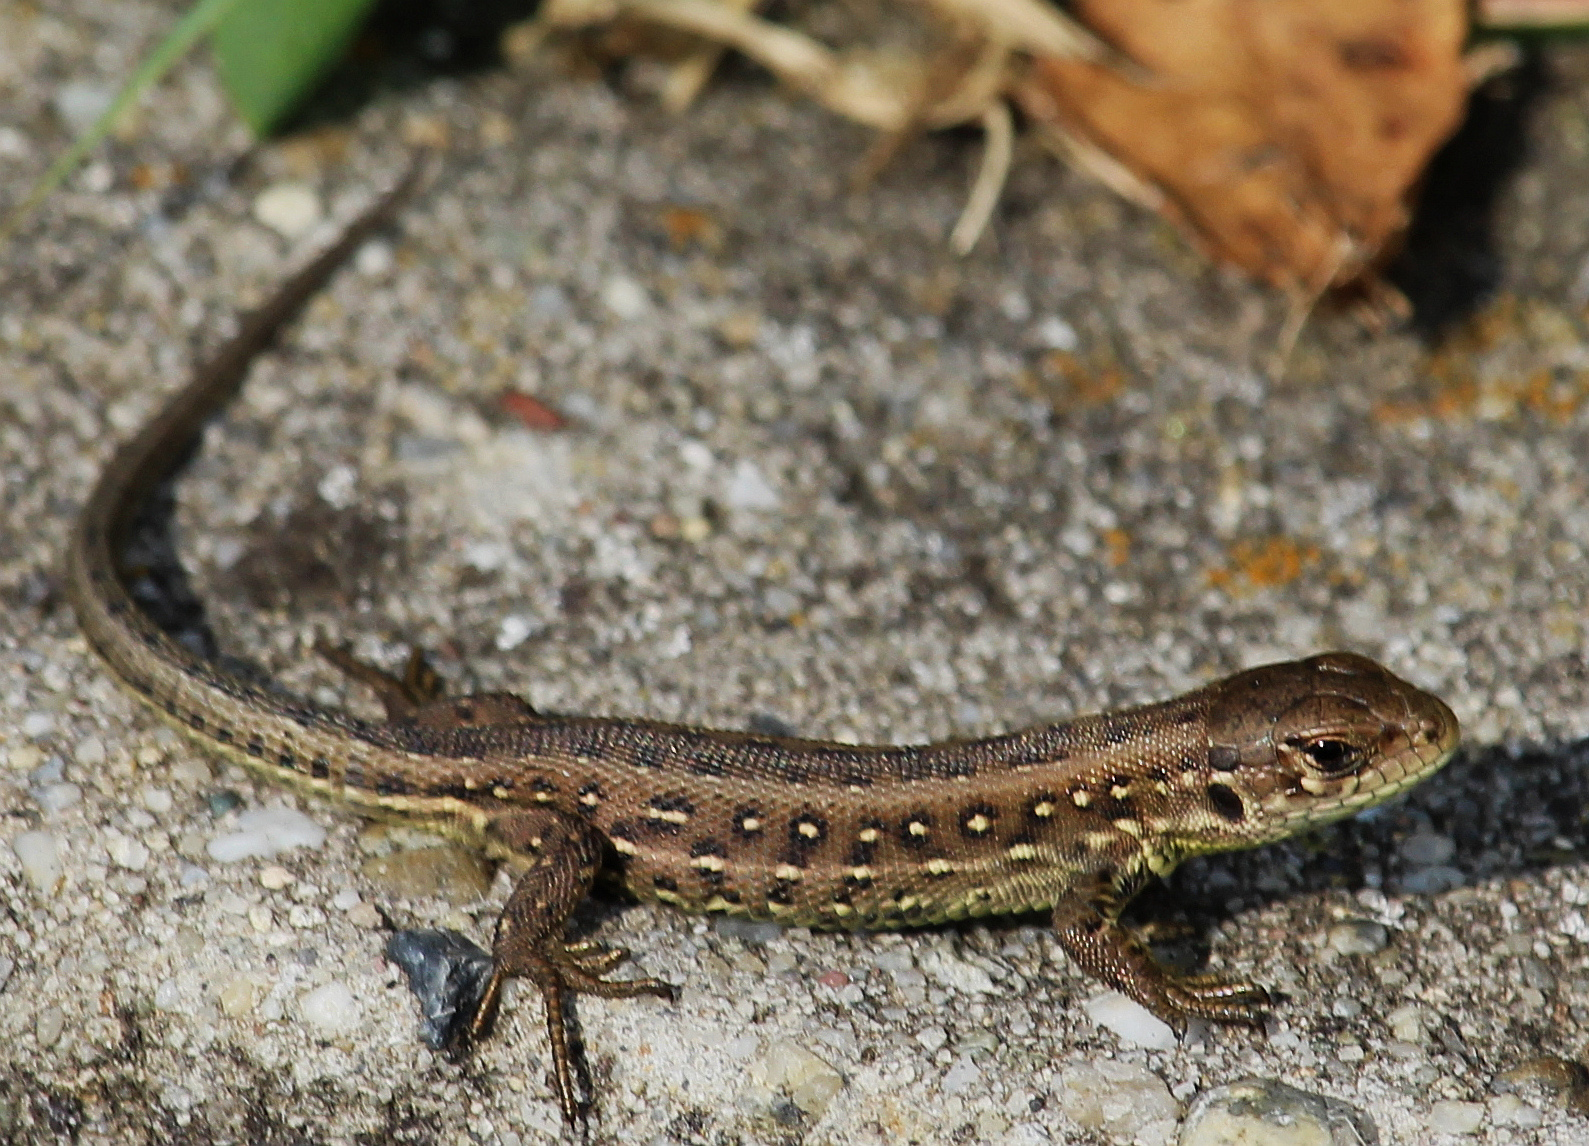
[[1307, 742]]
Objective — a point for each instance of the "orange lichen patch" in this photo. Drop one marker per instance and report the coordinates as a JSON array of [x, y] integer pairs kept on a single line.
[[532, 412], [1282, 135], [686, 226], [1066, 381], [1264, 564], [1118, 544], [1508, 361]]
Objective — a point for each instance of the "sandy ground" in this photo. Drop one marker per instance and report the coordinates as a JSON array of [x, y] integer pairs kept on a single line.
[[819, 474]]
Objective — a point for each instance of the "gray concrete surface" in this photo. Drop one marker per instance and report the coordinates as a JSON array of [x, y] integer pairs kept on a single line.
[[822, 473]]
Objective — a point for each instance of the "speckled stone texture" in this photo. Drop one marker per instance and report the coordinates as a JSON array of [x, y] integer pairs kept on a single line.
[[820, 475]]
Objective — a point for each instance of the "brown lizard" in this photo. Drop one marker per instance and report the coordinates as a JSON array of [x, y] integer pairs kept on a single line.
[[1070, 818]]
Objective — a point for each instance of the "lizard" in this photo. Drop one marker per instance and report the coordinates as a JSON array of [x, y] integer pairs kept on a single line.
[[1070, 818]]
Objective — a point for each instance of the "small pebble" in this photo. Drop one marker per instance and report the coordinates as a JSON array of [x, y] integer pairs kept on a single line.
[[157, 800], [260, 918], [1123, 1101], [747, 488], [1510, 1110], [48, 1026], [1452, 1117], [1426, 849], [37, 724], [264, 832], [962, 1075], [290, 209], [1358, 937], [1267, 1112], [331, 1010], [932, 1038], [24, 757], [7, 967], [126, 852], [274, 877], [746, 930], [1130, 1020], [239, 997], [834, 979], [57, 798], [626, 298], [786, 1068], [39, 853], [345, 900]]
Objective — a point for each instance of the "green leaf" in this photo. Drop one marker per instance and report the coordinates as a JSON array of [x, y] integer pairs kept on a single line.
[[203, 16], [270, 53]]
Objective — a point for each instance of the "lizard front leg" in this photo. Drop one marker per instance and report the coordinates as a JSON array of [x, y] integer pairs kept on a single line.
[[1089, 930], [565, 855]]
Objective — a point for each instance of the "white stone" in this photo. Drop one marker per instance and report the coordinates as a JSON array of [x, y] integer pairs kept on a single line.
[[332, 1010], [1510, 1110], [81, 103], [345, 900], [962, 1075], [39, 853], [24, 757], [265, 832], [291, 209], [1452, 1117], [37, 724], [126, 852], [1054, 333], [932, 1038], [1120, 1099], [274, 877], [157, 800], [626, 298], [747, 488], [1130, 1020], [56, 798], [786, 1067], [374, 259], [956, 974], [1267, 1112]]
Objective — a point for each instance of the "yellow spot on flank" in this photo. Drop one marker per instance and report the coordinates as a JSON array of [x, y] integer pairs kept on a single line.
[[1129, 827], [672, 897], [470, 783], [1023, 852], [861, 874], [718, 903], [978, 823], [540, 797], [809, 830], [857, 789], [624, 847], [590, 799], [917, 828], [787, 871], [908, 902], [501, 793], [868, 836], [750, 824], [1043, 810], [1120, 791], [668, 815], [708, 863], [1080, 798], [842, 909], [939, 867]]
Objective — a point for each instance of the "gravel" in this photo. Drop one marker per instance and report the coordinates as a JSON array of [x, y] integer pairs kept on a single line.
[[821, 475]]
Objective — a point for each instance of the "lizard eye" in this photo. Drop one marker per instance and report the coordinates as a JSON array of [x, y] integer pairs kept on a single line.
[[1329, 755]]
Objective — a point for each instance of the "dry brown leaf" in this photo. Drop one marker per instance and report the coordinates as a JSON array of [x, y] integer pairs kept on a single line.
[[1284, 135]]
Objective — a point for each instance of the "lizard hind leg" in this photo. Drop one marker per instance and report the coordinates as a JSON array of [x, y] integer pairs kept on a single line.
[[565, 855], [418, 696]]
